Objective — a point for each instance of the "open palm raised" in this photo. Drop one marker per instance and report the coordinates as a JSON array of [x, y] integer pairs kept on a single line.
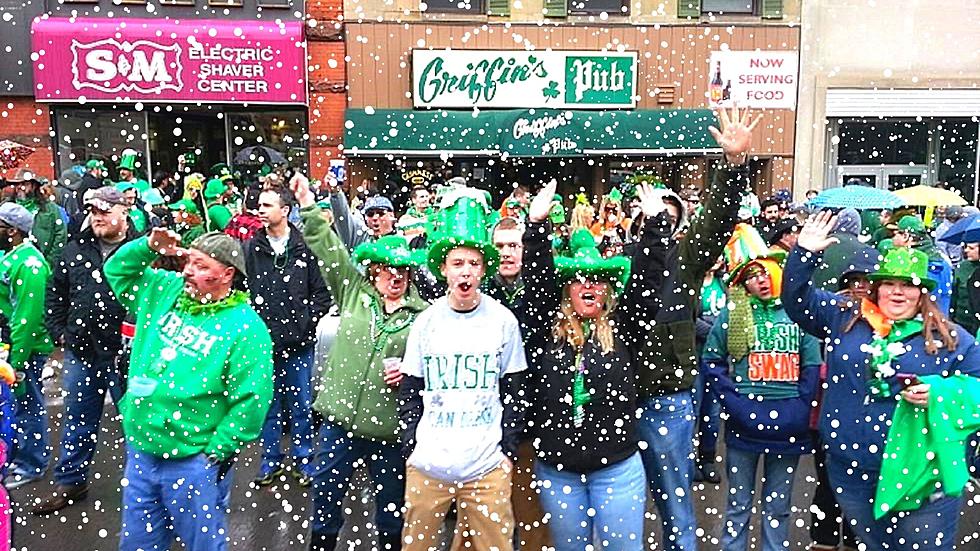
[[735, 135]]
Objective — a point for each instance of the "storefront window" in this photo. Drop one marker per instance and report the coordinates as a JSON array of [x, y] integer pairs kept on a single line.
[[958, 155], [884, 143], [176, 130], [272, 137], [84, 134]]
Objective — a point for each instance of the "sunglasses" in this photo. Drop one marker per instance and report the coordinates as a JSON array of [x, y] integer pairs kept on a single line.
[[375, 212]]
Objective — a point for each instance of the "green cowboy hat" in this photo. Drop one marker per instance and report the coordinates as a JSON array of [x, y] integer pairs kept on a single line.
[[390, 250], [126, 186], [588, 262], [95, 163], [214, 189], [152, 197], [184, 204], [907, 265], [463, 221]]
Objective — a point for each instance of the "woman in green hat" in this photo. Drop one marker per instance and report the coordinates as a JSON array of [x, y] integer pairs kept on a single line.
[[582, 349], [891, 357], [215, 193], [358, 392]]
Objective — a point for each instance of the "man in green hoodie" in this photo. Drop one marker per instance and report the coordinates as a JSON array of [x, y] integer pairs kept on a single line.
[[200, 384], [23, 282]]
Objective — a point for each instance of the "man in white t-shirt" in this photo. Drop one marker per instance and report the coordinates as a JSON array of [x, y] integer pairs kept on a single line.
[[460, 407]]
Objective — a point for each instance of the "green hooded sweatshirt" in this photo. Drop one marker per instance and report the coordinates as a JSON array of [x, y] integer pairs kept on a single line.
[[353, 392], [200, 379], [23, 281], [924, 452]]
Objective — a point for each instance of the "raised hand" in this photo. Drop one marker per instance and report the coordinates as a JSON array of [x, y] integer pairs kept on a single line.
[[735, 135], [165, 242], [300, 186], [651, 202], [542, 202], [815, 234]]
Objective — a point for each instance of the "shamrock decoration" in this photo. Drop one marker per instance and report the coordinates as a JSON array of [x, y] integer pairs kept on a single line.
[[551, 91]]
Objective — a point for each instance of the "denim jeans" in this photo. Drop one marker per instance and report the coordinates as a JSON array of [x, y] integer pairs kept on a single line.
[[932, 526], [31, 423], [292, 400], [778, 472], [85, 385], [667, 428], [167, 497], [337, 454], [708, 410], [608, 504]]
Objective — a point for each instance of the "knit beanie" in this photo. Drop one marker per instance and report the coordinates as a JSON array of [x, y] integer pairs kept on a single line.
[[222, 248]]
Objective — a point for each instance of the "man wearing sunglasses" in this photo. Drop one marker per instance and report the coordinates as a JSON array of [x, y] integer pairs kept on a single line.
[[84, 316]]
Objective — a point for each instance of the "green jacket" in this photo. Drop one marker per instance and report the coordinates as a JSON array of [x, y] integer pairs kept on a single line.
[[353, 392], [23, 282], [963, 313], [925, 445], [219, 216], [49, 231], [667, 362], [199, 381]]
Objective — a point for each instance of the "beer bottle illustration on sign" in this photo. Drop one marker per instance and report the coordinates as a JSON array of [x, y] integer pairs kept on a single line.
[[715, 88], [726, 94]]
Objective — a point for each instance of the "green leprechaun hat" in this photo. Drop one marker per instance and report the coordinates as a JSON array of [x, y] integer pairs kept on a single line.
[[214, 189], [463, 220], [128, 160], [390, 250], [746, 246], [586, 261], [905, 264]]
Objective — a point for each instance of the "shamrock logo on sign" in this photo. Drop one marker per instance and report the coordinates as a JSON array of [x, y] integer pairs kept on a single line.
[[551, 91]]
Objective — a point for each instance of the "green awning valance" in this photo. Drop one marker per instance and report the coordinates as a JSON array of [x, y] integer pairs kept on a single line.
[[528, 132]]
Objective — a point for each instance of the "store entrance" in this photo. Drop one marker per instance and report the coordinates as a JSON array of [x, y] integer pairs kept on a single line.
[[174, 134]]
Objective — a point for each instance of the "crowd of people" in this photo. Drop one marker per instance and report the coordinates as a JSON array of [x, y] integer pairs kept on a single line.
[[527, 377]]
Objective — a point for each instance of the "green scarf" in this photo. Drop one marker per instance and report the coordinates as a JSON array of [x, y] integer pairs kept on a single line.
[[883, 350], [191, 306], [746, 312]]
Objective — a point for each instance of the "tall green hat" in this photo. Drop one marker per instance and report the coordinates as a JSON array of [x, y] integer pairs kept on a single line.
[[745, 247], [463, 221], [128, 160], [588, 262], [221, 171], [905, 264], [390, 250], [214, 188]]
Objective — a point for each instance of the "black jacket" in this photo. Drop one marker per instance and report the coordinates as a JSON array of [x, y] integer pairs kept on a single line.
[[79, 304], [288, 291], [606, 435]]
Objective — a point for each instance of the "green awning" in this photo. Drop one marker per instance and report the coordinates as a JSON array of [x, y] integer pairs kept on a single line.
[[528, 132]]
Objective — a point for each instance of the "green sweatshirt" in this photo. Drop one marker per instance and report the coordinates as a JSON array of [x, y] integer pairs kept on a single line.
[[354, 393], [199, 382], [23, 281], [219, 215], [925, 446]]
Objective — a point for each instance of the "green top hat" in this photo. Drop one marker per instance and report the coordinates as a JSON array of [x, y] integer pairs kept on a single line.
[[221, 171], [184, 204], [214, 188], [463, 221], [905, 264], [128, 160], [586, 261], [390, 250]]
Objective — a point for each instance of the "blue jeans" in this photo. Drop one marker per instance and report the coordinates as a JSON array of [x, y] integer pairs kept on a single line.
[[338, 452], [85, 386], [292, 400], [708, 410], [31, 423], [167, 497], [616, 496], [932, 526], [778, 472], [667, 427]]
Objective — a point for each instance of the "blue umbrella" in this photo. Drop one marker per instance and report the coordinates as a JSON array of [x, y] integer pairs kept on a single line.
[[966, 230], [856, 197]]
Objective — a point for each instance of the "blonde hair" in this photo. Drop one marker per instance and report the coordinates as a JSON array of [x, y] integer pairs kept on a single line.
[[568, 326], [583, 216]]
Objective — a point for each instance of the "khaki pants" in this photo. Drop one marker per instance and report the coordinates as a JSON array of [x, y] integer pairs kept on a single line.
[[485, 521], [533, 532]]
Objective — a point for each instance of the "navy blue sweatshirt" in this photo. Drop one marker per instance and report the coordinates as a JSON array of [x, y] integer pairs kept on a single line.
[[853, 426]]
